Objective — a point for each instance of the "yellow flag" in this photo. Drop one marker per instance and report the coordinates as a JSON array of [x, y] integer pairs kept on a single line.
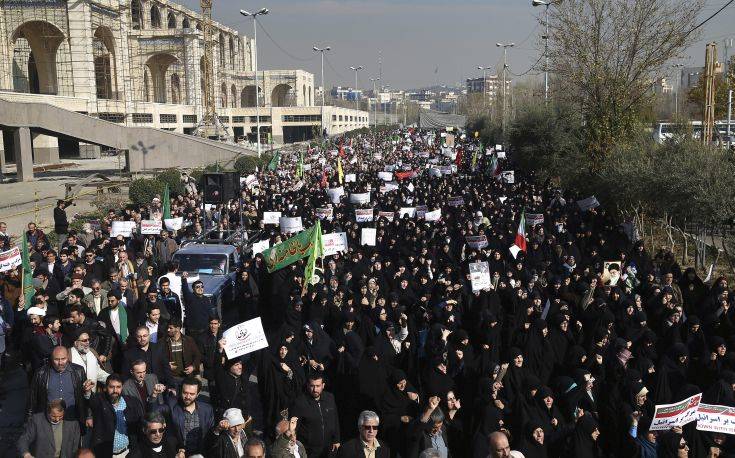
[[340, 173]]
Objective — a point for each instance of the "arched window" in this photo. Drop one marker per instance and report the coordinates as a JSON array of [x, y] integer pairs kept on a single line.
[[185, 23], [155, 17], [232, 55], [136, 14], [233, 96], [171, 21], [175, 89], [199, 26], [221, 50]]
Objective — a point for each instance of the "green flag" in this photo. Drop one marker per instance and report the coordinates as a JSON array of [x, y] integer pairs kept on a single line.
[[300, 166], [474, 156], [273, 164], [27, 273], [166, 203], [316, 252], [286, 253]]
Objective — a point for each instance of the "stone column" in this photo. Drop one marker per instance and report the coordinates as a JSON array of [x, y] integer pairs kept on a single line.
[[23, 151], [45, 149], [80, 41]]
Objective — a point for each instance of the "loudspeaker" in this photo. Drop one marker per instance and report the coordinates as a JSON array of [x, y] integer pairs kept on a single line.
[[213, 187], [231, 185]]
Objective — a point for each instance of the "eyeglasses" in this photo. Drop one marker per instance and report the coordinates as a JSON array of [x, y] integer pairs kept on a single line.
[[370, 427], [198, 287], [82, 340], [157, 431]]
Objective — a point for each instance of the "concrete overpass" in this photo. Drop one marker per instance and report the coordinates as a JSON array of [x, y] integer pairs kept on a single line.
[[146, 147]]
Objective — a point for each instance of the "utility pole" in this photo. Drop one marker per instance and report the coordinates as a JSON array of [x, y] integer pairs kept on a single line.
[[708, 122], [357, 100], [324, 88], [375, 104], [257, 88], [505, 47]]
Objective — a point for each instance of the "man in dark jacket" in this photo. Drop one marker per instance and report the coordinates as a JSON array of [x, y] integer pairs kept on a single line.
[[115, 420], [316, 412], [367, 444], [197, 307], [429, 431], [152, 354], [61, 223], [41, 431], [182, 352], [209, 348], [61, 379]]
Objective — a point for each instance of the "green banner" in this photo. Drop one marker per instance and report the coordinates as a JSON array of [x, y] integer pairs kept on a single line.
[[27, 273], [273, 164], [285, 253]]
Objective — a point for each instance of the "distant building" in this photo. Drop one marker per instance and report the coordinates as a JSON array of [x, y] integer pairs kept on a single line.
[[346, 93], [661, 86], [690, 75], [491, 85]]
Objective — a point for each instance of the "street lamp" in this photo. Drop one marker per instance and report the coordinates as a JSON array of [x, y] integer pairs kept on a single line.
[[322, 50], [375, 107], [546, 4], [262, 11], [385, 107], [676, 92], [484, 83], [356, 69], [505, 47]]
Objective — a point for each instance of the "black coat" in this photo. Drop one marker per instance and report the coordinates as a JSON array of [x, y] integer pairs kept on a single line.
[[61, 223], [156, 361], [103, 415], [353, 449], [318, 423], [39, 390]]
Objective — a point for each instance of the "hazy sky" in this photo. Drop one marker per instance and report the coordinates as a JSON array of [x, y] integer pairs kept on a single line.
[[414, 36]]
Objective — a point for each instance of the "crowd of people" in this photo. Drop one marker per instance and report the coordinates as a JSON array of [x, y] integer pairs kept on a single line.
[[389, 351]]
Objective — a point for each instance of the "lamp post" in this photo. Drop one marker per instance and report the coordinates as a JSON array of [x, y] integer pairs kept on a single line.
[[255, 15], [324, 87], [356, 69], [385, 108], [375, 107], [484, 83], [547, 4], [505, 47]]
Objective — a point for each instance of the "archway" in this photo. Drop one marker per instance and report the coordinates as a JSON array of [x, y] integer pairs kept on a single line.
[[175, 88], [171, 21], [185, 23], [41, 59], [221, 50], [105, 74], [136, 14], [247, 97], [233, 96], [282, 96], [155, 17], [223, 96], [159, 67]]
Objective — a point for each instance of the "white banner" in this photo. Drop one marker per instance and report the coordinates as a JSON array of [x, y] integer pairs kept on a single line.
[[480, 276], [335, 194], [325, 213], [387, 215], [368, 236], [363, 215], [385, 176], [508, 176], [533, 219], [150, 226], [271, 218], [501, 154], [290, 225], [668, 416], [433, 215], [410, 211], [360, 198], [334, 243], [259, 247], [124, 228], [174, 224], [244, 338], [717, 419], [350, 178], [10, 259], [588, 203]]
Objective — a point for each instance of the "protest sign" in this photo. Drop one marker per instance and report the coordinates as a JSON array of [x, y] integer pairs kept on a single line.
[[350, 178], [716, 419], [445, 169], [433, 215], [421, 210], [387, 215], [325, 213], [498, 147], [290, 225], [456, 201], [385, 176], [335, 194], [259, 247], [360, 198], [124, 228], [477, 242], [533, 219], [244, 338], [10, 259], [680, 413], [388, 168], [508, 176], [150, 226], [480, 275], [388, 187], [588, 203], [174, 224], [368, 236], [434, 172], [501, 154], [334, 243], [410, 211], [271, 218], [363, 215]]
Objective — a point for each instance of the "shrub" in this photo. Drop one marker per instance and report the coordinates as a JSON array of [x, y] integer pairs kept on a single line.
[[143, 190], [245, 165], [172, 178]]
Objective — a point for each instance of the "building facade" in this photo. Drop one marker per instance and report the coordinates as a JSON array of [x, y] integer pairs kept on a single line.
[[491, 85], [141, 62]]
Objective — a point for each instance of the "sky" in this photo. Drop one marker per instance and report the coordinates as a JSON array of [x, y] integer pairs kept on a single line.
[[420, 42]]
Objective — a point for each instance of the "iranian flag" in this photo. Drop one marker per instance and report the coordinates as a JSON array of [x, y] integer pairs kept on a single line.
[[520, 241], [494, 166]]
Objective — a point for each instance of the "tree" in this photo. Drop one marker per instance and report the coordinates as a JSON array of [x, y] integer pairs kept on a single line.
[[696, 95], [606, 53]]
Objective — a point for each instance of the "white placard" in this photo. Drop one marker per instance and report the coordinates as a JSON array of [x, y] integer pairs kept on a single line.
[[334, 243], [588, 203], [124, 228], [410, 187], [480, 276], [388, 187], [351, 178], [433, 215], [667, 416], [368, 236], [271, 218], [10, 259], [150, 226], [514, 250], [387, 215], [290, 225], [508, 176], [717, 419], [244, 338], [174, 224], [364, 215], [385, 176], [335, 194], [498, 147], [501, 154], [259, 247], [325, 213], [360, 198], [533, 219], [410, 211]]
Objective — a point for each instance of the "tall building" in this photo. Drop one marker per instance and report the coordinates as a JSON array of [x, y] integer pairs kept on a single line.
[[491, 85], [141, 63]]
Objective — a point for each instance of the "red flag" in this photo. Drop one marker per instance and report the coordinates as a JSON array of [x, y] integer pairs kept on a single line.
[[458, 160], [342, 152]]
